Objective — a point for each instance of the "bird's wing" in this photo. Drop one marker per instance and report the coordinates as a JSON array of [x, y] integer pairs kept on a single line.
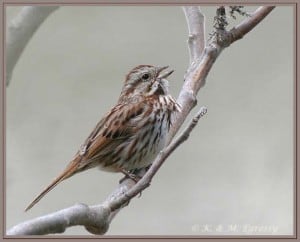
[[115, 128]]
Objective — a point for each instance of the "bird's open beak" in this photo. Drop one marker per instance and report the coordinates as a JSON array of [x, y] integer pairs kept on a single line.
[[165, 74]]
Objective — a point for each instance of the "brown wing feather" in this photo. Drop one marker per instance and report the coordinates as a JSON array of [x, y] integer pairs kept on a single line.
[[109, 137]]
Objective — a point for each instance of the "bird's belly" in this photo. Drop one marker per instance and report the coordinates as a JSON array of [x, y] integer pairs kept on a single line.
[[140, 151], [144, 157]]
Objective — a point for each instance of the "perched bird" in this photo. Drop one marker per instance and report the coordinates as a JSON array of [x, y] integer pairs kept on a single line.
[[132, 133]]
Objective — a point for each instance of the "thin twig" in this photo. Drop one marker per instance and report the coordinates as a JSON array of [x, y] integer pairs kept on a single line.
[[249, 23], [196, 28]]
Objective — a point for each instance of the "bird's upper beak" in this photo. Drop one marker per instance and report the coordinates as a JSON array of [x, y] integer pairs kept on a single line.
[[164, 75]]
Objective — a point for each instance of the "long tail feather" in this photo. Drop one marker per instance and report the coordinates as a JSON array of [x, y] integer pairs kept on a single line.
[[70, 170]]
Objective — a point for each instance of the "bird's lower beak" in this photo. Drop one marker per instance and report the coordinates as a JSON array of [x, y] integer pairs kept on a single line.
[[165, 74]]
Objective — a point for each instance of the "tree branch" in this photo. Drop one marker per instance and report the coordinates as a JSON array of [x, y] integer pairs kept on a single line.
[[196, 28], [248, 24], [199, 69], [99, 216], [20, 31], [57, 222]]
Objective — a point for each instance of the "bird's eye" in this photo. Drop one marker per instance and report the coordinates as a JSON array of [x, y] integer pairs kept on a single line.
[[145, 76]]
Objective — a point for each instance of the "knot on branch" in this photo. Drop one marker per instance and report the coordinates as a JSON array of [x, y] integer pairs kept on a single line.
[[220, 35], [223, 38], [188, 96], [97, 219], [202, 112], [191, 38]]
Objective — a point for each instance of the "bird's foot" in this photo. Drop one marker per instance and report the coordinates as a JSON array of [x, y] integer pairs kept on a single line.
[[130, 175]]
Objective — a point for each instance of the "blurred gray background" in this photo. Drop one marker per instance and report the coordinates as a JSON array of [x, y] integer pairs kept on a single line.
[[235, 173]]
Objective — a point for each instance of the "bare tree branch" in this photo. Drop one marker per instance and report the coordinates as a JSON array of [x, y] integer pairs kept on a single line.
[[196, 27], [57, 222], [20, 31], [201, 63], [199, 69], [248, 24]]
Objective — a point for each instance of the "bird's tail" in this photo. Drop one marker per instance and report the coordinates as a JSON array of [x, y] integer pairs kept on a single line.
[[70, 170]]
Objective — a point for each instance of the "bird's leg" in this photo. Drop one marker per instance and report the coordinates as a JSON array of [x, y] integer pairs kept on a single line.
[[129, 174]]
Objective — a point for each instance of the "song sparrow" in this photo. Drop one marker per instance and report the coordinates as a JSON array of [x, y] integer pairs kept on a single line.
[[132, 133]]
